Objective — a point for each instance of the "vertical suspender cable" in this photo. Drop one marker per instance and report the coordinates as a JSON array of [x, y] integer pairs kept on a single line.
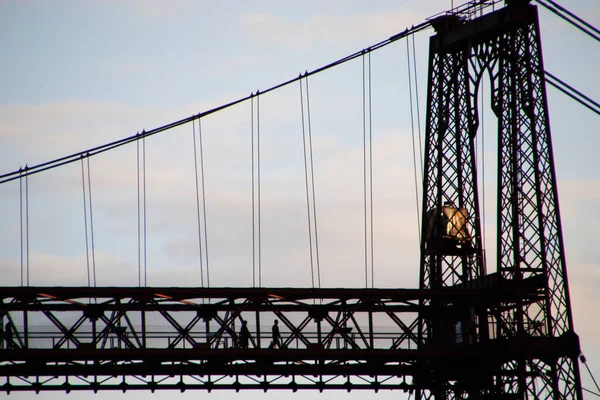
[[418, 107], [312, 174], [371, 173], [258, 185], [24, 230], [145, 226], [197, 204], [139, 230], [253, 196], [203, 202], [27, 226], [91, 222], [312, 273], [364, 117], [483, 162], [21, 221], [87, 249], [412, 128], [480, 180]]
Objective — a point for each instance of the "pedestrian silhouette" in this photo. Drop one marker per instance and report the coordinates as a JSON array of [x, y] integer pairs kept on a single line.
[[276, 342], [244, 335], [8, 332]]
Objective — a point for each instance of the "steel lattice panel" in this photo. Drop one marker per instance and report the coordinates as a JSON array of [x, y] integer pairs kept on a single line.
[[70, 339]]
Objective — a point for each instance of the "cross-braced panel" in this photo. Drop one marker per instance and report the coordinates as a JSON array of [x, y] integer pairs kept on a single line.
[[70, 339]]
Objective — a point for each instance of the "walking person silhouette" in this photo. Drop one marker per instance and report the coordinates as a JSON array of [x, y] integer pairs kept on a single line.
[[244, 335], [276, 335]]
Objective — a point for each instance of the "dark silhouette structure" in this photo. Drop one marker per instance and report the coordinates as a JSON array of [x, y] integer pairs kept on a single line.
[[505, 45], [464, 333]]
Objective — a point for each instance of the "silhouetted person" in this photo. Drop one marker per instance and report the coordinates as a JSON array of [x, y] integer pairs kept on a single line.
[[244, 335], [276, 335], [8, 334]]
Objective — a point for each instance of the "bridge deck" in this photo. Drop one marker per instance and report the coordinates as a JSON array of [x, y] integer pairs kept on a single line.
[[126, 338]]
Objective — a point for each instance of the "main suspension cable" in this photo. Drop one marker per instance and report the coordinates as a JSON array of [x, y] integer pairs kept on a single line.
[[573, 93], [572, 19], [7, 177], [561, 8]]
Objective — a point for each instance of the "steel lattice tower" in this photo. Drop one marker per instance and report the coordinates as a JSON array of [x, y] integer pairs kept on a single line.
[[506, 45]]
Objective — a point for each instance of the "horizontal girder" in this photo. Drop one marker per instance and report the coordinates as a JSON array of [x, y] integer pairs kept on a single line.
[[118, 338]]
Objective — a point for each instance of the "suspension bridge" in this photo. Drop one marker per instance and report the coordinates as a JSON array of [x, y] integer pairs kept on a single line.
[[464, 332]]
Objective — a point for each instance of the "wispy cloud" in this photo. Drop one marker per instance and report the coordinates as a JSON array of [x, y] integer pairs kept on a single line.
[[325, 29]]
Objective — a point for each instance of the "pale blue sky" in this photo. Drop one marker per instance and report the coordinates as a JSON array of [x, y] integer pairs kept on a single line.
[[78, 74]]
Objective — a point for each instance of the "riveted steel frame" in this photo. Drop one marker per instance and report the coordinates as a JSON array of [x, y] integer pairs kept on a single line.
[[70, 339], [506, 45]]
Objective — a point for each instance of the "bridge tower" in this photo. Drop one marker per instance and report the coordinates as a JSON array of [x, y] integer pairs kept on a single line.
[[527, 332]]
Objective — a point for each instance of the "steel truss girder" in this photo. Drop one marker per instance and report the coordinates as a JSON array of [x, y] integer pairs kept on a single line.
[[186, 338], [506, 45]]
